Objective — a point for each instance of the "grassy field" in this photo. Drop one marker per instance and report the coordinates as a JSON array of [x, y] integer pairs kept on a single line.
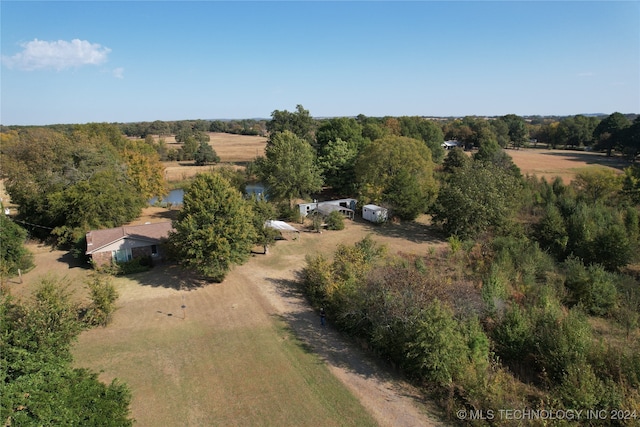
[[225, 359], [232, 149], [231, 357]]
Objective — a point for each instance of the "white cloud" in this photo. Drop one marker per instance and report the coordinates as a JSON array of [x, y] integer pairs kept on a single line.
[[58, 55], [586, 74], [118, 73]]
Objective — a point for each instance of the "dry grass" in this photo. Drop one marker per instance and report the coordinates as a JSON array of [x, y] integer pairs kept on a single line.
[[561, 163], [232, 149]]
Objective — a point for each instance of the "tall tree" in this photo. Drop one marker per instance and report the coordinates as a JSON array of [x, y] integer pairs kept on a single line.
[[337, 161], [344, 128], [38, 385], [609, 132], [388, 162], [14, 255], [214, 228], [300, 123], [477, 199], [289, 168], [518, 133], [425, 130], [631, 140]]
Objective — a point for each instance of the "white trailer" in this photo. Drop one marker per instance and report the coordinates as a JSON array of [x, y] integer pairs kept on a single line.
[[374, 213]]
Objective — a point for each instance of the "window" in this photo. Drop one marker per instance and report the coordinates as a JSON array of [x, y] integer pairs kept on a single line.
[[122, 255], [154, 249]]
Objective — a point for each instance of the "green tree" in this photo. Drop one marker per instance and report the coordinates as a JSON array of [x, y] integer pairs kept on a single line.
[[425, 130], [609, 132], [406, 195], [289, 168], [88, 176], [300, 123], [263, 211], [14, 255], [214, 228], [456, 158], [205, 154], [598, 184], [518, 132], [337, 161], [335, 221], [438, 352], [103, 299], [477, 199], [189, 148], [385, 164], [344, 128], [576, 131]]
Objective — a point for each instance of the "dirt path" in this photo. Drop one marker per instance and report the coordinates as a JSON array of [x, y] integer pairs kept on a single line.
[[391, 401]]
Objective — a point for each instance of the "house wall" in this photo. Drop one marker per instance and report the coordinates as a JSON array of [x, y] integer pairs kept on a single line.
[[105, 257]]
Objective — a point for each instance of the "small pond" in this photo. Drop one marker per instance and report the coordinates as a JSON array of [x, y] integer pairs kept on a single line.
[[175, 197]]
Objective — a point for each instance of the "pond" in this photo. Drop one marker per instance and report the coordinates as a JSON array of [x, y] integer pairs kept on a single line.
[[175, 197]]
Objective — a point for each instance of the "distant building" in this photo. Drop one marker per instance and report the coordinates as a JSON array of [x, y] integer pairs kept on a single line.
[[346, 207], [452, 143]]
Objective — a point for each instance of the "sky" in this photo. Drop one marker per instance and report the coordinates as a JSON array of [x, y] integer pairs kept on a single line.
[[117, 61]]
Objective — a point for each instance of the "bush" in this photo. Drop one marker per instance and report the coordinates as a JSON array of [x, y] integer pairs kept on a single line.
[[335, 221], [592, 287], [103, 298]]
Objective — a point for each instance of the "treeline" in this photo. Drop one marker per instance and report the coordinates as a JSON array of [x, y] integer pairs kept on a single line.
[[87, 177], [533, 305], [166, 128]]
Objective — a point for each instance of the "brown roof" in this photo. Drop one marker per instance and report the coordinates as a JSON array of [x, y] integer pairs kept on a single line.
[[153, 233]]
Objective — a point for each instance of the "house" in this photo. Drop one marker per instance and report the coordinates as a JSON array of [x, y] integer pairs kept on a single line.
[[125, 243], [374, 213], [346, 207], [452, 143]]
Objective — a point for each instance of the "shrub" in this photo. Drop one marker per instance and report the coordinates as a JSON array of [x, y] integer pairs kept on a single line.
[[335, 221], [103, 298], [439, 349], [592, 287]]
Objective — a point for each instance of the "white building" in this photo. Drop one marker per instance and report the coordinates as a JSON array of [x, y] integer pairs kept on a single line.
[[374, 213], [346, 207]]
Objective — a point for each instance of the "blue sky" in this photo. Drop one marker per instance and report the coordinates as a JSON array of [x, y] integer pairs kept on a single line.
[[91, 61]]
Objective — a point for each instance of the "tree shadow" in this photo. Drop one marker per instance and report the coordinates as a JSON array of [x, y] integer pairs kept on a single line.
[[412, 231], [591, 158], [333, 346], [73, 262], [170, 275]]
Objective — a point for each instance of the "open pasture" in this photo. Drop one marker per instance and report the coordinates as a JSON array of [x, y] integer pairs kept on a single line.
[[563, 163], [232, 149]]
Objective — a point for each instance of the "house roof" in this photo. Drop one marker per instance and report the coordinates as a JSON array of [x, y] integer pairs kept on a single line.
[[153, 233], [374, 208], [279, 225]]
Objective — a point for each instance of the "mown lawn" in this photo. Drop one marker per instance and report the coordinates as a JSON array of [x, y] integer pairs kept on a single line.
[[228, 363]]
